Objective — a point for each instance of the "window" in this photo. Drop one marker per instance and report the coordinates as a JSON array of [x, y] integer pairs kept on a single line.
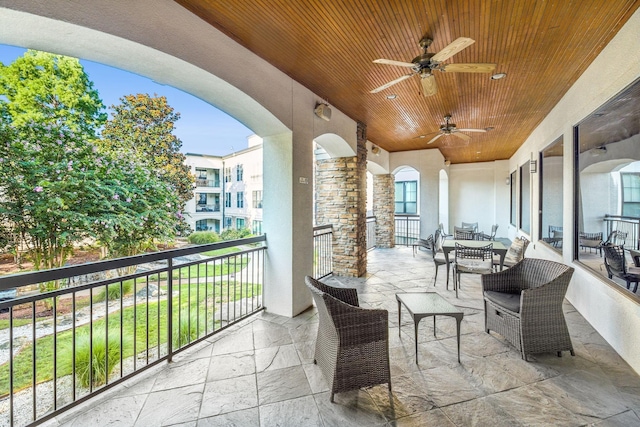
[[550, 184], [256, 227], [240, 199], [227, 200], [239, 173], [227, 174], [227, 222], [407, 197], [257, 199], [202, 198], [525, 198], [239, 223], [630, 194], [201, 174], [514, 197], [201, 225]]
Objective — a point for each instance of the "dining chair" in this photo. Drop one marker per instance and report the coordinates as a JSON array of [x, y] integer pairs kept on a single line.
[[616, 237], [460, 233], [437, 255], [471, 225], [616, 264], [492, 235], [472, 260]]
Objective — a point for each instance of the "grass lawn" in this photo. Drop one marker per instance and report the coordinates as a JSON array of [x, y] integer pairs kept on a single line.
[[142, 321]]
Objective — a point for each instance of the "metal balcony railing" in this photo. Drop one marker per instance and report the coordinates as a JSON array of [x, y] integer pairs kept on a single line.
[[208, 208], [94, 325], [322, 251], [371, 232], [207, 182], [407, 229]]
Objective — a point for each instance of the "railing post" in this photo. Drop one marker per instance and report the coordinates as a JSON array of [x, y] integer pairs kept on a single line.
[[169, 308]]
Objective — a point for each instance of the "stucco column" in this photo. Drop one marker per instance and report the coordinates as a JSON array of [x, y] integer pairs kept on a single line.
[[341, 200], [384, 210]]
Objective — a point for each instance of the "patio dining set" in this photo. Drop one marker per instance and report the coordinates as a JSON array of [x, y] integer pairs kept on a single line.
[[522, 303]]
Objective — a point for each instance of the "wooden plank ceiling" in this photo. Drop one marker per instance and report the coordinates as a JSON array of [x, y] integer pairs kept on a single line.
[[329, 45]]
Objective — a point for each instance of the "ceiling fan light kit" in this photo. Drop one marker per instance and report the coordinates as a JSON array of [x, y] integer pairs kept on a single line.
[[424, 65], [449, 128]]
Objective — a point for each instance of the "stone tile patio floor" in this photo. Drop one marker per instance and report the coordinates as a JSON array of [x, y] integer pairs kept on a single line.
[[261, 372]]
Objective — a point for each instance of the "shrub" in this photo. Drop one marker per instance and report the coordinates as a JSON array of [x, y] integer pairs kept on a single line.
[[186, 331], [113, 291], [231, 234], [99, 372], [204, 237]]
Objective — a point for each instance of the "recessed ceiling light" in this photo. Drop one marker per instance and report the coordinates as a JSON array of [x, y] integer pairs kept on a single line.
[[392, 96], [422, 136], [498, 76]]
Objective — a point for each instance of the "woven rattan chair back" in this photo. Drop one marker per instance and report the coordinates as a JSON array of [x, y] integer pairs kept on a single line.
[[352, 345]]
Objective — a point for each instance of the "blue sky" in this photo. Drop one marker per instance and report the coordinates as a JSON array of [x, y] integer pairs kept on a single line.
[[202, 128]]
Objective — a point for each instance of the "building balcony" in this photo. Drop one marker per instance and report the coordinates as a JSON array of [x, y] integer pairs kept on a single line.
[[200, 182], [207, 208], [260, 372]]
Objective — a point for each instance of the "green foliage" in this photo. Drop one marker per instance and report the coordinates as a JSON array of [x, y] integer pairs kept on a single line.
[[186, 330], [49, 182], [143, 126], [232, 234], [57, 186], [43, 88], [203, 237], [112, 292], [92, 363]]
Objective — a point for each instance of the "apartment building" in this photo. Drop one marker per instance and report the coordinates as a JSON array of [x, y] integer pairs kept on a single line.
[[228, 190]]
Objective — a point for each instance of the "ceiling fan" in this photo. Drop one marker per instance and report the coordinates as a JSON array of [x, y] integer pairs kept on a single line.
[[424, 65], [450, 129]]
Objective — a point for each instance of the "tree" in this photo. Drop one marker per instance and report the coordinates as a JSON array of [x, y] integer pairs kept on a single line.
[[43, 88], [143, 125], [49, 115], [57, 187]]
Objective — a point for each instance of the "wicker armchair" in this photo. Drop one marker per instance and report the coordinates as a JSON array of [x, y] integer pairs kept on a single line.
[[524, 305], [352, 347]]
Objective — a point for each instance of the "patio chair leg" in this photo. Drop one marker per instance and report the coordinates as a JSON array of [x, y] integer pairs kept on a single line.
[[559, 354], [573, 353], [331, 399]]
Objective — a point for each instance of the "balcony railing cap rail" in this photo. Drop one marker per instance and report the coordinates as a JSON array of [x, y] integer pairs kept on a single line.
[[23, 279]]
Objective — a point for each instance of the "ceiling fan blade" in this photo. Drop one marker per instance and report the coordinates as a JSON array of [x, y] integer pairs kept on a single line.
[[396, 63], [391, 83], [434, 138], [469, 68], [429, 86], [472, 130], [425, 135], [461, 136], [454, 47]]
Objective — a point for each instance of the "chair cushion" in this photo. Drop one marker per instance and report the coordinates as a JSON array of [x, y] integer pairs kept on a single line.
[[515, 252], [439, 258], [475, 266], [510, 302], [590, 243]]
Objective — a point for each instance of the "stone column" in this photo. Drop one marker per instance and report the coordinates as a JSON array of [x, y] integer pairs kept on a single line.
[[341, 201], [384, 210]]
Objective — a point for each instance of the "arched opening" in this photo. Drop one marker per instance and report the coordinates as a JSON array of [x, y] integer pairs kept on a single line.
[[407, 205]]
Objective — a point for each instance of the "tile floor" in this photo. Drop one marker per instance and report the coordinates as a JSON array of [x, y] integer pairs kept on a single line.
[[261, 372]]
